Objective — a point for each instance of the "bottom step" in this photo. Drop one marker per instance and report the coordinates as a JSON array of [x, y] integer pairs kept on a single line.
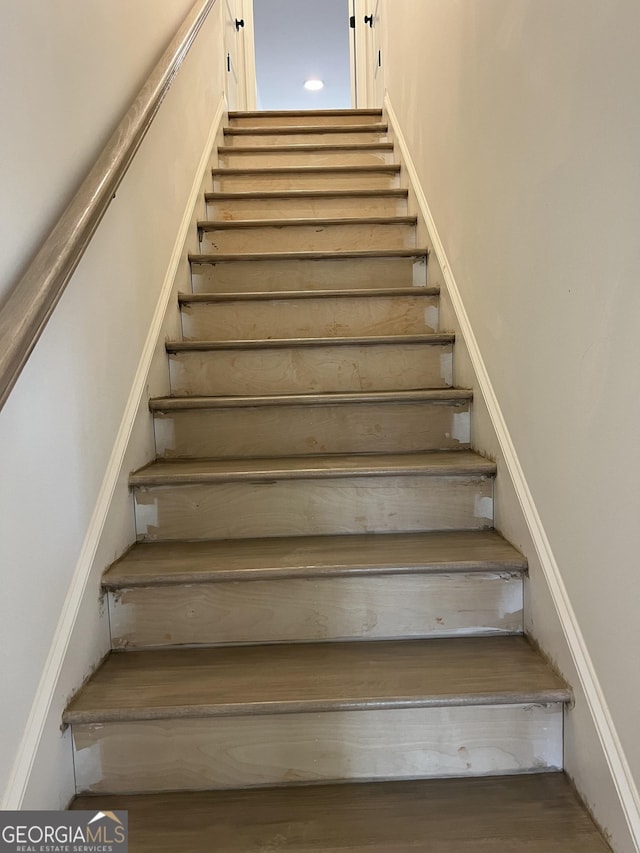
[[248, 716], [536, 814]]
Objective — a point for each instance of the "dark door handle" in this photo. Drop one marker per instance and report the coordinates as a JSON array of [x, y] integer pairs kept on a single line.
[[352, 22], [239, 23], [368, 19]]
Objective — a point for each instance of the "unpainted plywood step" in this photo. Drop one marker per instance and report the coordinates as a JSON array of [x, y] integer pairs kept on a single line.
[[270, 590], [314, 712], [306, 134], [311, 365], [323, 495], [291, 425], [537, 813], [306, 177], [309, 203], [278, 271], [208, 593], [308, 235], [330, 746], [266, 118], [318, 154], [317, 609], [315, 314]]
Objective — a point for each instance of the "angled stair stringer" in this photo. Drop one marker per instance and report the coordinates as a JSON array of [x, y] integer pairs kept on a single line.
[[317, 595]]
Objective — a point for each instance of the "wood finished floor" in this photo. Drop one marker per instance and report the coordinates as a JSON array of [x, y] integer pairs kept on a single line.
[[431, 463], [510, 814], [316, 677], [279, 295], [286, 343], [307, 556], [276, 195], [162, 404]]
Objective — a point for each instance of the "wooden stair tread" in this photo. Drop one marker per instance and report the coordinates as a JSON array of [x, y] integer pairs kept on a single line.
[[285, 129], [315, 556], [280, 343], [306, 194], [432, 463], [369, 254], [314, 677], [167, 404], [305, 148], [278, 295], [306, 170], [275, 113], [236, 224], [535, 813]]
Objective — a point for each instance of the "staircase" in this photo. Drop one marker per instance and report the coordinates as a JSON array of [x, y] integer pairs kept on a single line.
[[317, 595]]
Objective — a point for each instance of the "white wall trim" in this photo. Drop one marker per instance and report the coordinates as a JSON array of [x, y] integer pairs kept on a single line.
[[18, 781], [612, 748]]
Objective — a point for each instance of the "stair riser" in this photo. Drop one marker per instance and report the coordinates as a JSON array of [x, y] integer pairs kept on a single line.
[[304, 119], [301, 208], [249, 160], [310, 369], [387, 607], [334, 274], [320, 137], [239, 510], [310, 318], [311, 238], [311, 181], [230, 752], [299, 430]]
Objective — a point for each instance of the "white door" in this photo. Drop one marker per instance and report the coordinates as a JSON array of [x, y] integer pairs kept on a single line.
[[368, 61], [239, 54]]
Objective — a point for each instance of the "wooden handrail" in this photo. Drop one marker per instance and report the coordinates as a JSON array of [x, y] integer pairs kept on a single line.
[[28, 307]]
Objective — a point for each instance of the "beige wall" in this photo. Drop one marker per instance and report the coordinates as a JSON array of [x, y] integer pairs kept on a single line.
[[65, 511], [70, 70], [523, 121]]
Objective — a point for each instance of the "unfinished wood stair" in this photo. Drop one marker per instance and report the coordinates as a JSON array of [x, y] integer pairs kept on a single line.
[[306, 154], [307, 313], [290, 271], [371, 422], [276, 204], [317, 594], [315, 588]]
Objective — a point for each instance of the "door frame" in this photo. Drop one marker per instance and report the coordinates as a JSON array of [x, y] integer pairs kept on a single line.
[[353, 54], [366, 90], [243, 52], [249, 56]]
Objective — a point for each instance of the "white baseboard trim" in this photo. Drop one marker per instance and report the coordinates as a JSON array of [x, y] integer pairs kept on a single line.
[[612, 748], [18, 781]]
